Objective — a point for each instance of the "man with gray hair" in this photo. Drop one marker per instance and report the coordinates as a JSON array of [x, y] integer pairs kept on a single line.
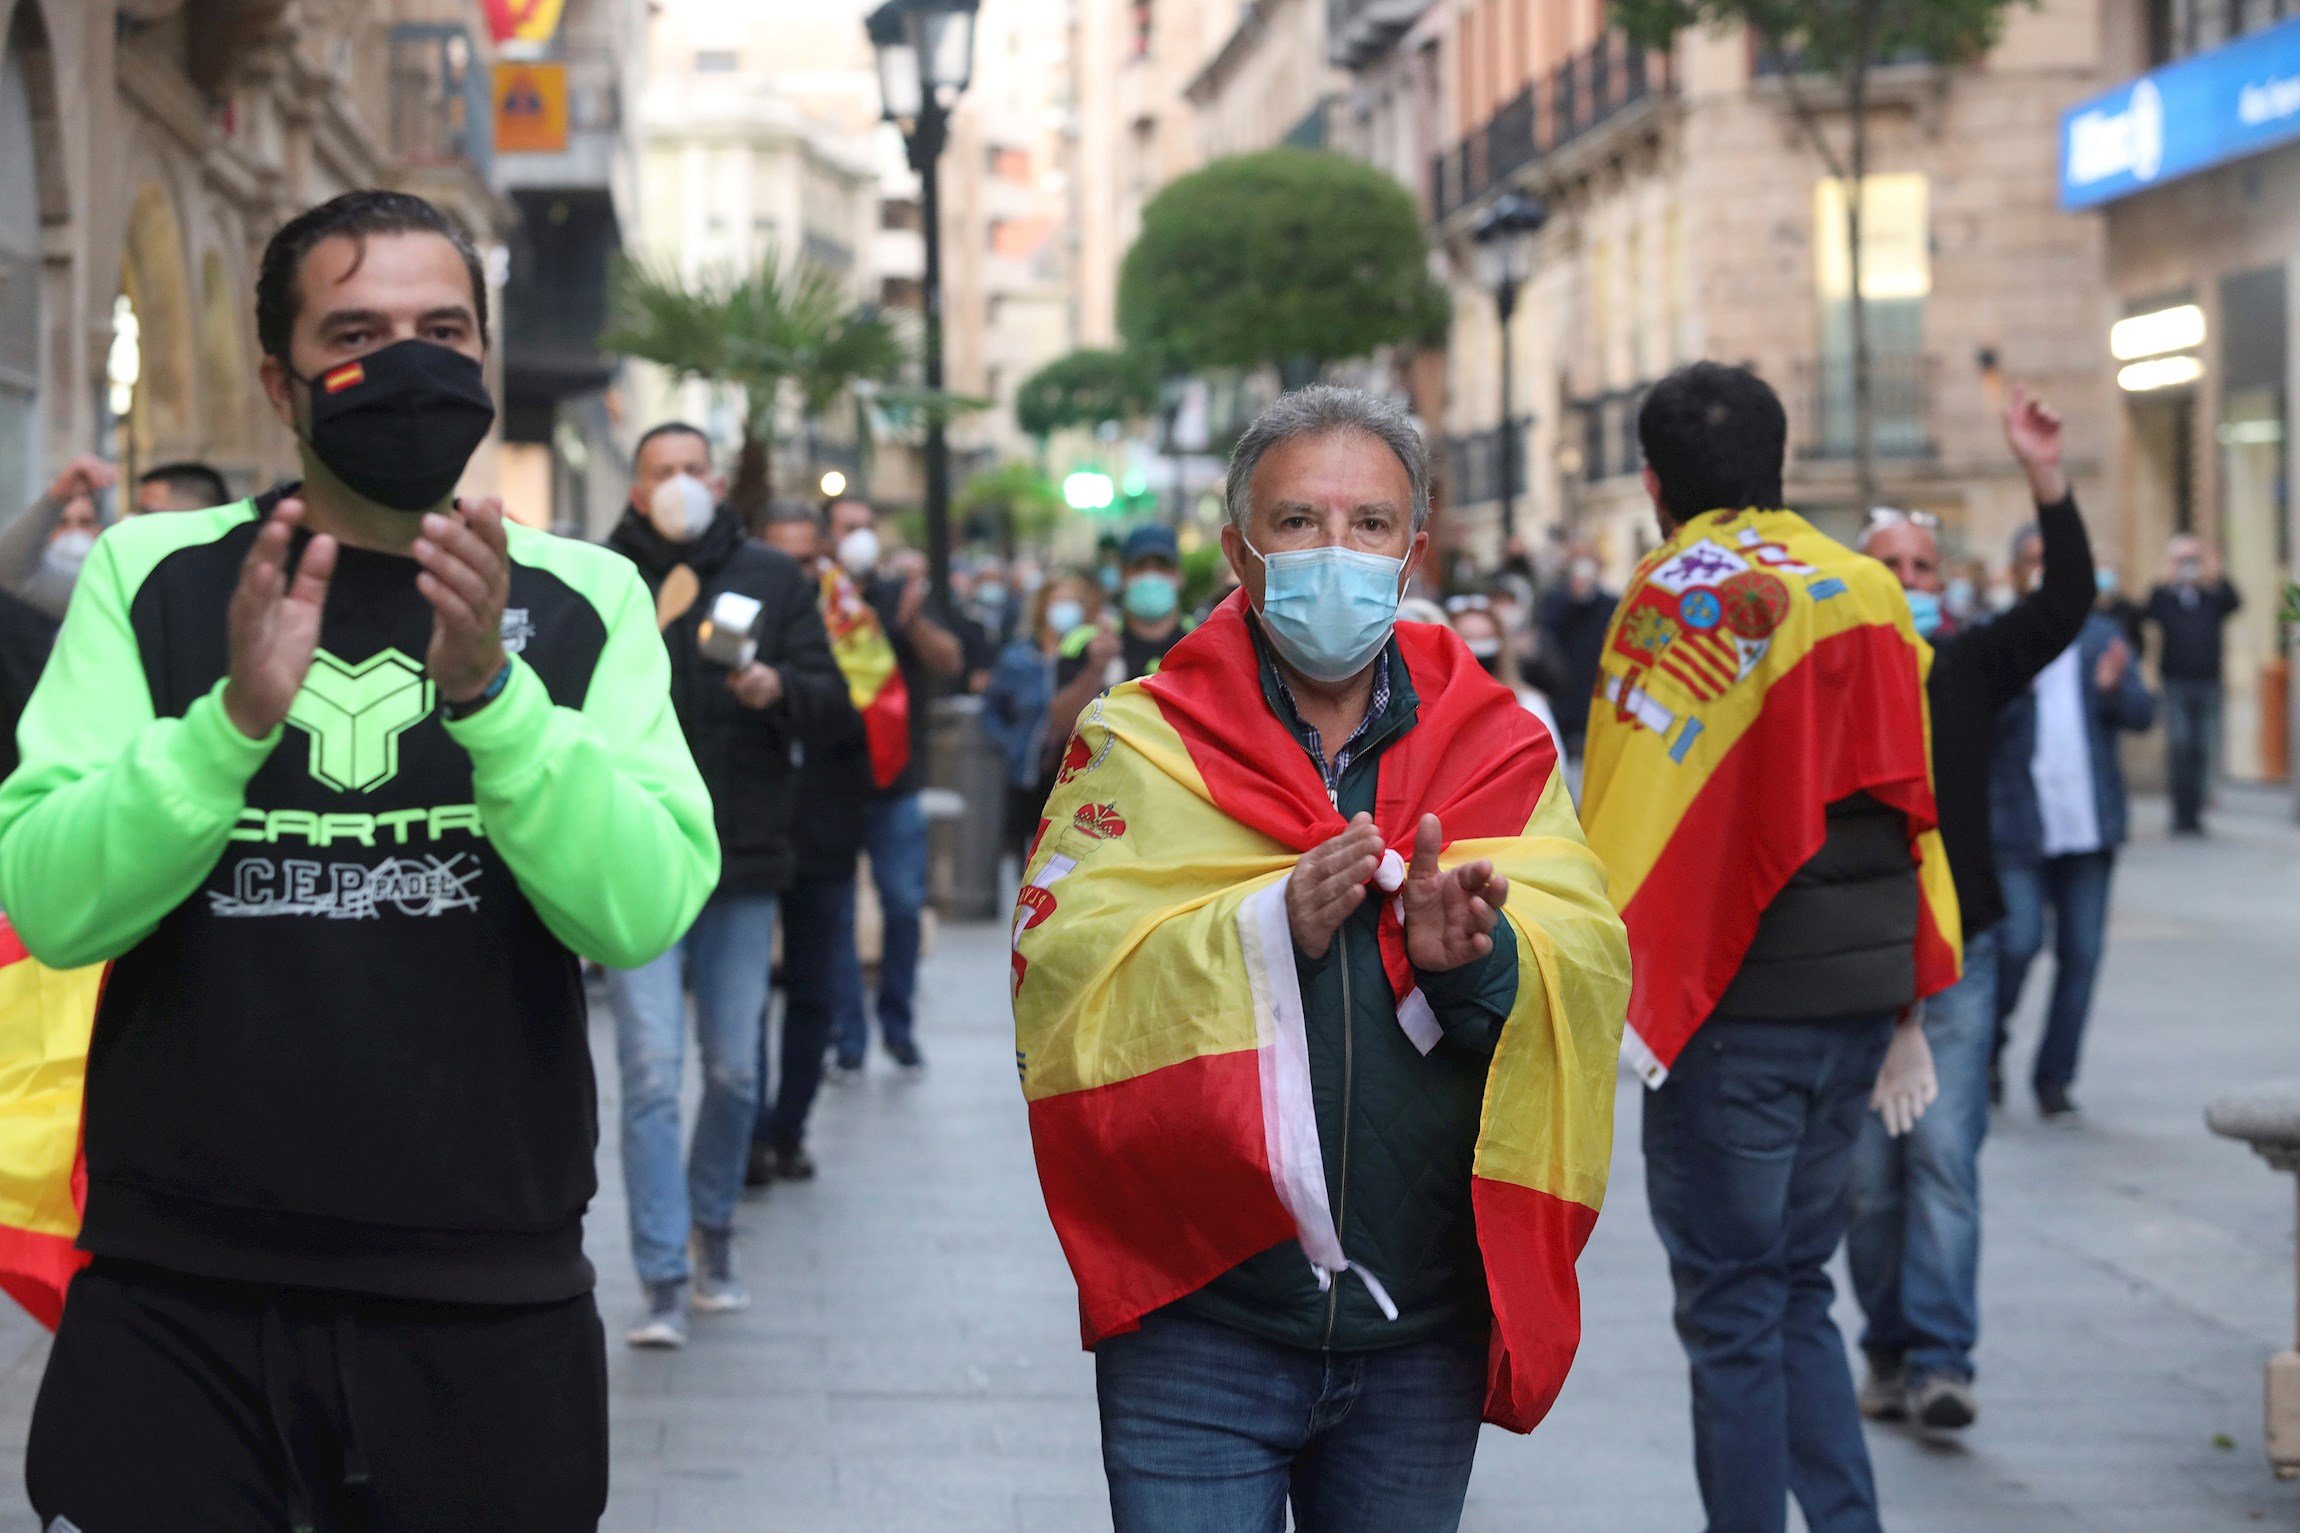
[[1319, 1053]]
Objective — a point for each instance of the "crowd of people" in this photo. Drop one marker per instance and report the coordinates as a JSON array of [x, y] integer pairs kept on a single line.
[[1343, 886]]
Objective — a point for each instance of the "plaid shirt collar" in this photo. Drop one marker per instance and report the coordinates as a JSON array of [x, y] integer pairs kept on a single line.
[[1377, 708]]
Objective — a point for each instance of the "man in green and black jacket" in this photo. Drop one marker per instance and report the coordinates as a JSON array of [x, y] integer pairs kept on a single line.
[[341, 786]]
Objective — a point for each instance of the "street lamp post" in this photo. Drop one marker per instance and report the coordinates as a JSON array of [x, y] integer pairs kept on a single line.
[[1504, 240], [925, 54]]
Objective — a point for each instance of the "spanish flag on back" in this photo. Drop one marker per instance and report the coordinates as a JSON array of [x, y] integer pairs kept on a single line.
[[1755, 673], [874, 682], [1158, 1019], [46, 1018]]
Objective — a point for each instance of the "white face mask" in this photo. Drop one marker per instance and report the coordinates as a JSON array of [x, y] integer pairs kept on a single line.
[[858, 551], [67, 551], [680, 508]]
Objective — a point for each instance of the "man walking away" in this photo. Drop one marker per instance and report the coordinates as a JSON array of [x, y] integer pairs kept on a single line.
[[2189, 611], [822, 976], [2057, 815], [743, 713], [341, 790], [1759, 787], [1914, 1241], [1307, 1269], [894, 824]]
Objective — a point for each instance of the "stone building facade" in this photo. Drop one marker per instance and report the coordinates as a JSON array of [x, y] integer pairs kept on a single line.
[[148, 148]]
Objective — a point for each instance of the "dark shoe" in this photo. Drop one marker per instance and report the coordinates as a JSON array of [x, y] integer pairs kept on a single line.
[[843, 1071], [906, 1055], [1943, 1402], [759, 1169], [1885, 1393], [792, 1163], [2054, 1101]]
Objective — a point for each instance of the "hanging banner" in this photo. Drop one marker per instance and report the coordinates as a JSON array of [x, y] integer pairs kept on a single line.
[[524, 21], [530, 108]]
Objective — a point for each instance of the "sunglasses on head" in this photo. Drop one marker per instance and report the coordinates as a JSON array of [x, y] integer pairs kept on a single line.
[[1893, 516]]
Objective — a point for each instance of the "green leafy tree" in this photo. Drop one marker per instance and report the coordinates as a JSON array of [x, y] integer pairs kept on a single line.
[[1018, 497], [1836, 44], [1085, 388], [780, 330], [1282, 258]]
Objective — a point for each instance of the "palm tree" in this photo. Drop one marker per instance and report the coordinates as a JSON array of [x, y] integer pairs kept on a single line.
[[780, 328]]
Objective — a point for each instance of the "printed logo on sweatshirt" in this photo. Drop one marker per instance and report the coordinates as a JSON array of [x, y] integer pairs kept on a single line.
[[396, 827], [349, 891], [355, 715]]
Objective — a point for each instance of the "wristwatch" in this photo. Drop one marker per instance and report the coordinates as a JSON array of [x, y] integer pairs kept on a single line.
[[458, 711]]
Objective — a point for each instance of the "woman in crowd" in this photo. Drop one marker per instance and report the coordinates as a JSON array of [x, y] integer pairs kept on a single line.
[[1474, 619], [1021, 684]]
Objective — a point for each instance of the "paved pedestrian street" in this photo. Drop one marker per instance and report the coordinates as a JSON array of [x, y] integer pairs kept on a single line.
[[912, 1362]]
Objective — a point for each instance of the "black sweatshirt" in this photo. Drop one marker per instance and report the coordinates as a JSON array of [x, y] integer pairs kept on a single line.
[[342, 1044], [1976, 673]]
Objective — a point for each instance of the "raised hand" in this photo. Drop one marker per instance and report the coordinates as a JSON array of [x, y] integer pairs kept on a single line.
[[757, 685], [1449, 912], [2114, 662], [85, 475], [274, 624], [466, 576], [2033, 431], [1330, 882]]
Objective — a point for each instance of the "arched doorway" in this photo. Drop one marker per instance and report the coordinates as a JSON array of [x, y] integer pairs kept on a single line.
[[20, 305], [154, 356]]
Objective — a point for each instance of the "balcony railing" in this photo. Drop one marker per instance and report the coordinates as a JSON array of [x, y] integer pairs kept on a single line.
[[1582, 94], [440, 111], [1900, 406]]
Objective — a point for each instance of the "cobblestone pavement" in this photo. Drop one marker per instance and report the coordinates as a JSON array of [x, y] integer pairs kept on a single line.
[[913, 1363]]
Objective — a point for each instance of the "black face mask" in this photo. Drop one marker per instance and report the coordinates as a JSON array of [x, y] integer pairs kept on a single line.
[[398, 425]]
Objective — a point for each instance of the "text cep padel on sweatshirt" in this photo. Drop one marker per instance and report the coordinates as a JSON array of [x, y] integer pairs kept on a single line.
[[343, 1042]]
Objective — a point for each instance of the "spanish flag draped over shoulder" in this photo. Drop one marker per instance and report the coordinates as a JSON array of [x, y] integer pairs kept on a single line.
[[874, 682], [46, 1019], [1158, 1018], [1755, 673]]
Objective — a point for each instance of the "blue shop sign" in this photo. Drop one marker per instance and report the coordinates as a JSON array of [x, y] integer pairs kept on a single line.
[[2218, 106]]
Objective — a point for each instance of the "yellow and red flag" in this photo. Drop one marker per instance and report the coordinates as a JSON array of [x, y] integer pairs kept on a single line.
[[1158, 1018], [523, 21], [874, 681], [1755, 673], [46, 1018]]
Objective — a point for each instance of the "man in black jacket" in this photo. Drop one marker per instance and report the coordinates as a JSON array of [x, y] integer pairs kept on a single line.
[[742, 708], [822, 974], [1914, 1237], [2189, 610], [1573, 620]]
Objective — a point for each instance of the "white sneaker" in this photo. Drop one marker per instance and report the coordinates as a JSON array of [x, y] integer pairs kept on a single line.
[[665, 1323], [718, 1290]]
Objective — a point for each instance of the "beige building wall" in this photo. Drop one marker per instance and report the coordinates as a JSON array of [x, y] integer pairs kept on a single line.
[[1685, 227], [1269, 81], [1136, 129], [168, 141]]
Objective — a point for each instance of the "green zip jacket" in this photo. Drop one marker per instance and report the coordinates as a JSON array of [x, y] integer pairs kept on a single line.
[[343, 1041], [1397, 1130]]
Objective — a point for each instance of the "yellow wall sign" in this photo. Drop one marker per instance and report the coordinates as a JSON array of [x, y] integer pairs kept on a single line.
[[530, 108]]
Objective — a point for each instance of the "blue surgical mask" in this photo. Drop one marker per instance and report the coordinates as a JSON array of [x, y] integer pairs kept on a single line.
[[1151, 597], [1063, 616], [1329, 611], [1925, 610]]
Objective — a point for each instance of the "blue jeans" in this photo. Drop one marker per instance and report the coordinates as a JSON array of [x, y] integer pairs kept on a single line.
[[894, 833], [822, 992], [2076, 887], [1206, 1429], [1914, 1240], [1748, 1152], [2192, 742], [726, 954]]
